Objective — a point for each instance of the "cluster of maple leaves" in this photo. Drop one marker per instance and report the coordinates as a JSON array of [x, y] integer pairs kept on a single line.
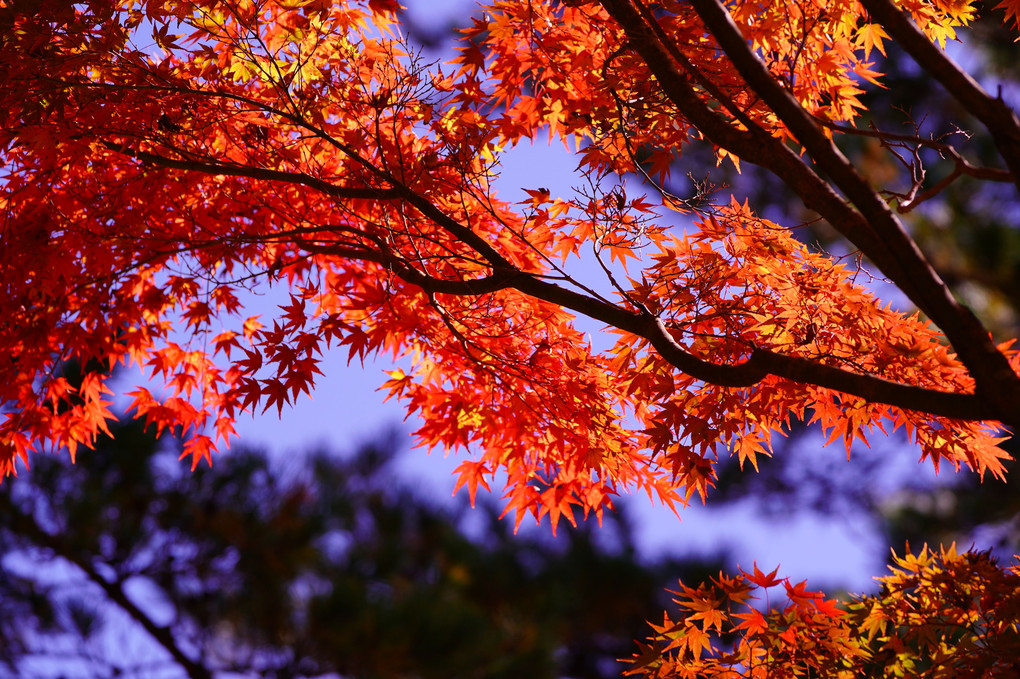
[[162, 157], [938, 614]]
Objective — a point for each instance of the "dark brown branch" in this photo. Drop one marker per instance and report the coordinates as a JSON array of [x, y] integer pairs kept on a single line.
[[961, 166], [694, 72], [754, 145], [255, 173], [761, 363], [1000, 120], [913, 199], [402, 269], [993, 174], [877, 232]]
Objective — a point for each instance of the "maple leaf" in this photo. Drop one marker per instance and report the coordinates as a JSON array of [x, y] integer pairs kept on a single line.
[[473, 474], [198, 447], [1011, 8], [277, 392], [763, 580], [754, 623], [870, 36], [384, 6], [556, 502]]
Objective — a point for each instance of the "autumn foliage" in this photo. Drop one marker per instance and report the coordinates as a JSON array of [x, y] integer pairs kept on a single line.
[[938, 614], [160, 159]]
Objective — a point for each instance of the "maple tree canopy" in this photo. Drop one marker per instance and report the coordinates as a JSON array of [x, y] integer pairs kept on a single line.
[[161, 157]]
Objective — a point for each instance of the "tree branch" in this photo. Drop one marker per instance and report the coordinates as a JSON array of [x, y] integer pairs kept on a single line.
[[754, 145], [757, 367], [255, 173], [993, 112], [961, 166], [872, 226]]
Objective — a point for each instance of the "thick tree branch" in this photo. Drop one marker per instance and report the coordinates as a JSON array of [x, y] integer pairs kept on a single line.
[[763, 362], [501, 280], [760, 365], [931, 296], [755, 145], [872, 227]]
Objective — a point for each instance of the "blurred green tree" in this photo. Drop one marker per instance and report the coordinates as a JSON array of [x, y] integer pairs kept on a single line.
[[126, 564]]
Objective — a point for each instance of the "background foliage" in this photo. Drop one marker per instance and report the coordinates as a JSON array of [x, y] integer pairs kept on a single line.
[[128, 565]]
